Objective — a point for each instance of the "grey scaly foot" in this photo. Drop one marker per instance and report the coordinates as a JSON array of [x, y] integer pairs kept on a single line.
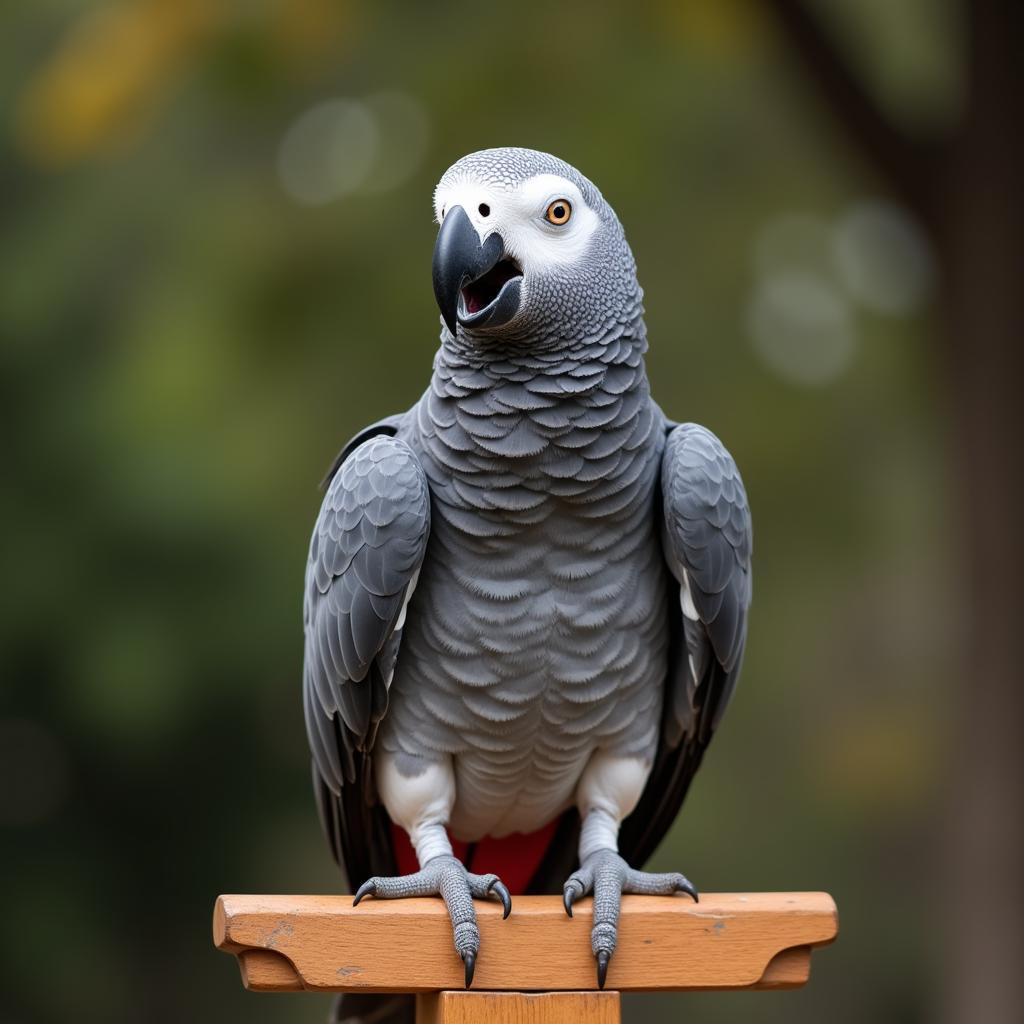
[[446, 877], [605, 874]]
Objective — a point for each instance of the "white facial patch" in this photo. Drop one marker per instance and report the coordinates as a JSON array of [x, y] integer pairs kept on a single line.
[[517, 214]]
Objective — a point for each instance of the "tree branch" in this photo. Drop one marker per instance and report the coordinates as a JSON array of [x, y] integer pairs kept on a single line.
[[905, 164]]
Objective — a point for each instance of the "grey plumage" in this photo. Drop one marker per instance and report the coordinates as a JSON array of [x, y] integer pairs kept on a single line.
[[542, 589], [549, 528], [706, 532], [707, 540], [366, 549]]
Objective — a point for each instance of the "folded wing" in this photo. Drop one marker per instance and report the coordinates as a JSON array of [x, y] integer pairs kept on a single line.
[[364, 558], [706, 539]]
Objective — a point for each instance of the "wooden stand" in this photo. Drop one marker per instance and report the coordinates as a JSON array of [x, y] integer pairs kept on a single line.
[[534, 968]]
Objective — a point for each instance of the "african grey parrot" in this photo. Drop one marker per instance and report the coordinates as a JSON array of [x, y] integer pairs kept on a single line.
[[526, 597]]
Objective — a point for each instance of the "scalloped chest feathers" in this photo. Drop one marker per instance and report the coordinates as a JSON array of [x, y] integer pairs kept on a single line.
[[537, 631]]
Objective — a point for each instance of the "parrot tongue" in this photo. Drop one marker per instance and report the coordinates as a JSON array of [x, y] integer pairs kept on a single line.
[[479, 294]]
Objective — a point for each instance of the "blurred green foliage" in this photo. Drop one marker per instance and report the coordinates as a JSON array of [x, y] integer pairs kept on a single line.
[[184, 347]]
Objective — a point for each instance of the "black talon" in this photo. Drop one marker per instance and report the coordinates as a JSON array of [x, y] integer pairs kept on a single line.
[[602, 967], [501, 890], [568, 897], [368, 888], [690, 891], [470, 959]]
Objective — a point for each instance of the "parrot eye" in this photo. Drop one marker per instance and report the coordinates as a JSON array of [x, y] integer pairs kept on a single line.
[[558, 212]]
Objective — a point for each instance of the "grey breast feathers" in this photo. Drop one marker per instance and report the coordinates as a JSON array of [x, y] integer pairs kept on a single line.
[[367, 548]]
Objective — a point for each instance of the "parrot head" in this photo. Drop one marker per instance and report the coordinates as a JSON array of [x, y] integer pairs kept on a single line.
[[528, 249]]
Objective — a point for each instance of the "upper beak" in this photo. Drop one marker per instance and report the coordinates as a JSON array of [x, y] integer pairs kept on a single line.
[[460, 258]]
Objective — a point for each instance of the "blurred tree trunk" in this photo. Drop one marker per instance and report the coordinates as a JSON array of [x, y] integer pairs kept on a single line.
[[967, 189]]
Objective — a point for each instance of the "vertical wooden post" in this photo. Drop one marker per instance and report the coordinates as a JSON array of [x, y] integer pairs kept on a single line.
[[457, 1007]]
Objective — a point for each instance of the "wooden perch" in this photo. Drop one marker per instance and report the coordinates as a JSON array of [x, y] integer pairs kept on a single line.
[[324, 944]]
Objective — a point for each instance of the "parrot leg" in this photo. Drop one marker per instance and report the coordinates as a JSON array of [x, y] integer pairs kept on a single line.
[[608, 790], [446, 877], [605, 874], [419, 797]]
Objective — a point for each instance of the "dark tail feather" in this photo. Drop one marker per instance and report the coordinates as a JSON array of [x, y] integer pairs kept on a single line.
[[354, 1008]]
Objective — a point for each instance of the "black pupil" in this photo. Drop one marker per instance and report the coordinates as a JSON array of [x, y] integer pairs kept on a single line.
[[484, 209], [558, 212]]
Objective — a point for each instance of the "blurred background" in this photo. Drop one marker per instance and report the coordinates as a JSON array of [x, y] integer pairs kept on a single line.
[[215, 242]]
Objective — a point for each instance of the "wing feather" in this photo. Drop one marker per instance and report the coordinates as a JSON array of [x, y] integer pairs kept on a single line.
[[367, 546], [707, 541]]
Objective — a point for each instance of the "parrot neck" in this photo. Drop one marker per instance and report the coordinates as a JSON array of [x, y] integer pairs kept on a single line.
[[623, 341], [509, 403]]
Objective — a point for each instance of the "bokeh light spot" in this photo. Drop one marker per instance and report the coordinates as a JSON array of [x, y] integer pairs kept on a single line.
[[883, 258], [328, 152], [800, 326], [403, 133]]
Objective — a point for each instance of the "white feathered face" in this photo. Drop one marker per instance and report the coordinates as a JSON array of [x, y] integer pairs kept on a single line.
[[519, 252], [545, 222]]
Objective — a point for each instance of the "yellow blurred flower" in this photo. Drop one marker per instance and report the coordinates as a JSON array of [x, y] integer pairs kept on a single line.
[[117, 62], [107, 75]]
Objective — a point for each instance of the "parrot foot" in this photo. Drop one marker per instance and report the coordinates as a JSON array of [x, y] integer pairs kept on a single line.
[[445, 876], [605, 874]]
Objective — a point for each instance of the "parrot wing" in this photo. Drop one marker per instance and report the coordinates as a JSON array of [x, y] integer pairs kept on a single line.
[[706, 539], [364, 558]]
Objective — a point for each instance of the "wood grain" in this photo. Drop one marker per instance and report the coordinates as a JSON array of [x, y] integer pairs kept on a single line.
[[323, 943], [518, 1008]]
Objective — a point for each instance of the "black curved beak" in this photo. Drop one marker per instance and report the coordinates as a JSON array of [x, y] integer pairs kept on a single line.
[[473, 283]]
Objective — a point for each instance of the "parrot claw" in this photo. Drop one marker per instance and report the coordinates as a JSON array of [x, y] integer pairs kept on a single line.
[[573, 889], [500, 890], [686, 886], [568, 896], [447, 877], [607, 876], [368, 888]]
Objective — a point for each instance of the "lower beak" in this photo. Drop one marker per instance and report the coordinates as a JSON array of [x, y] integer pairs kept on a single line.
[[462, 261]]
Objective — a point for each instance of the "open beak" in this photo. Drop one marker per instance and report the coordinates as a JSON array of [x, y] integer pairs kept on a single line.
[[475, 284]]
